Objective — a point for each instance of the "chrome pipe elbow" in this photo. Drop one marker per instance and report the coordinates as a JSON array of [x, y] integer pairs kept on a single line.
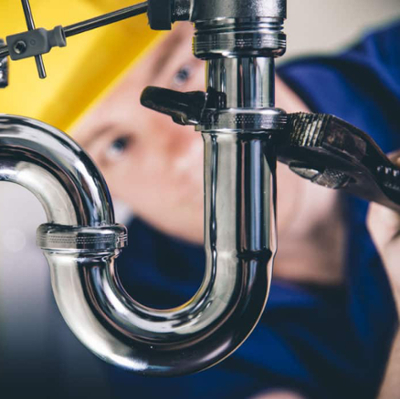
[[56, 170], [81, 243]]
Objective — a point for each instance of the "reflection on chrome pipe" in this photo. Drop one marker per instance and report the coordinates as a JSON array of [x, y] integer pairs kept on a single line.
[[246, 82], [227, 306], [81, 243], [56, 170]]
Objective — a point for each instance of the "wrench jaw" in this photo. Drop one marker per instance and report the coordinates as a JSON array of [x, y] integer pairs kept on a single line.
[[333, 153]]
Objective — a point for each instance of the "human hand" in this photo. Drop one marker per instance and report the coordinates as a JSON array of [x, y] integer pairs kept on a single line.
[[384, 227]]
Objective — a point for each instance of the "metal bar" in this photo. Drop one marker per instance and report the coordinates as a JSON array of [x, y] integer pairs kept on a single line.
[[28, 14], [40, 67], [90, 24], [106, 19], [31, 26]]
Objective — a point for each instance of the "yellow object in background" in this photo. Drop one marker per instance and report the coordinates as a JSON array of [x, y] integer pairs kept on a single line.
[[79, 74]]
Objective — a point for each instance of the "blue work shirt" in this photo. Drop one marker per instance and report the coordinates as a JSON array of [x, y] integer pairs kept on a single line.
[[323, 342]]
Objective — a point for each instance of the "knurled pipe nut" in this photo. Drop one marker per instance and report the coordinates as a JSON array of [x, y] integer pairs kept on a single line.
[[264, 42], [243, 121], [57, 237], [239, 44]]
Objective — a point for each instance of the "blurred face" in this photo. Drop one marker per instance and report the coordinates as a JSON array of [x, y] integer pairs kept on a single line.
[[149, 162]]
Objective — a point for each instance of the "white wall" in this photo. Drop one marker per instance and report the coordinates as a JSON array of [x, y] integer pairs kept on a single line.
[[326, 25]]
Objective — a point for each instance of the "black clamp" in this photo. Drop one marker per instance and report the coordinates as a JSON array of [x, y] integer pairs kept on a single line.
[[184, 108], [160, 14], [34, 42], [37, 42]]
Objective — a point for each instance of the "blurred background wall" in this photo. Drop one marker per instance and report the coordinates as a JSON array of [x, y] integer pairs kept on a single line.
[[26, 304], [316, 26]]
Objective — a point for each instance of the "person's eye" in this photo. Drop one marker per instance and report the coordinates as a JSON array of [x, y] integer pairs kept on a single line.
[[182, 76], [117, 148]]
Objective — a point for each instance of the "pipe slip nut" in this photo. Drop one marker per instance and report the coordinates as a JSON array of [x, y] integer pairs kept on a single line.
[[54, 237], [243, 121]]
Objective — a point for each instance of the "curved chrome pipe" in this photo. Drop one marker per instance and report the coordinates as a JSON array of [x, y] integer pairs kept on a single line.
[[81, 244], [56, 170]]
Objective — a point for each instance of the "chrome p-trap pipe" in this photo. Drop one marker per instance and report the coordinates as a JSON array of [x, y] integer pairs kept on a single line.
[[238, 40]]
